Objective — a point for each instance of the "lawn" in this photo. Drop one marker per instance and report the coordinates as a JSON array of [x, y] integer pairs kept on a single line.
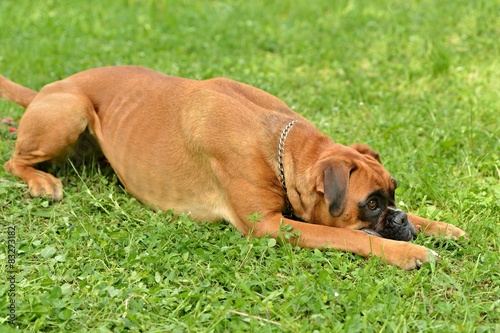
[[419, 81]]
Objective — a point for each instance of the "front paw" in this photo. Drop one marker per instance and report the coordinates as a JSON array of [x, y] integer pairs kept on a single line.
[[409, 256], [444, 229], [435, 228]]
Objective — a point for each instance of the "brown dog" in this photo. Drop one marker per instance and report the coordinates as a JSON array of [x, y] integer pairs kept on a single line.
[[218, 149]]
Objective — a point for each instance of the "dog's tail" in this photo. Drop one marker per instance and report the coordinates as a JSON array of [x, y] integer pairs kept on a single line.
[[15, 93]]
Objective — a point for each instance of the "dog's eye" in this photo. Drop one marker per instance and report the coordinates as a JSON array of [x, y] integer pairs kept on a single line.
[[372, 204]]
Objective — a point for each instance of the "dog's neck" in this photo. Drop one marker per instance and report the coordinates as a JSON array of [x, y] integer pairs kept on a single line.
[[298, 150], [288, 211]]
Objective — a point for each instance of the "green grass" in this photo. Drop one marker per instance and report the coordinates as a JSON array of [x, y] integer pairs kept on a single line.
[[417, 80]]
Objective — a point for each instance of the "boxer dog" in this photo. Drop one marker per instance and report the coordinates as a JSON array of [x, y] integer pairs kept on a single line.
[[219, 150]]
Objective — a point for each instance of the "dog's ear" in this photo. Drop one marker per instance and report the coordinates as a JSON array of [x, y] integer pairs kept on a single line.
[[366, 150], [335, 186]]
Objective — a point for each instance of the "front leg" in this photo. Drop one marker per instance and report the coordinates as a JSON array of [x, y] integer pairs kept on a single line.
[[436, 228], [402, 254]]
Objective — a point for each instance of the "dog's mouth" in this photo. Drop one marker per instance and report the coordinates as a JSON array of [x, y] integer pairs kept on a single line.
[[395, 226]]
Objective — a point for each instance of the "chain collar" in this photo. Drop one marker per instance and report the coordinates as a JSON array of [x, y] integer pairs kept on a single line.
[[281, 150]]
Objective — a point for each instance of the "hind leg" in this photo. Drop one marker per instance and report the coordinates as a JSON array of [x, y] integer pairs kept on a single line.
[[50, 126]]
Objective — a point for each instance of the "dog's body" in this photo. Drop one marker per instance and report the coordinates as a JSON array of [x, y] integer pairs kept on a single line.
[[213, 149]]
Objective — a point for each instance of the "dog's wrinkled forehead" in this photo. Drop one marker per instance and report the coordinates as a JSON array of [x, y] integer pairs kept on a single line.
[[374, 173], [371, 177]]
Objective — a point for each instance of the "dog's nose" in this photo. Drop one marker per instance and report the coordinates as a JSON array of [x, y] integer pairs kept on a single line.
[[400, 217], [397, 226]]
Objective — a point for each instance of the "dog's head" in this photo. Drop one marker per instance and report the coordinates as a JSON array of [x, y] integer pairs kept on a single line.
[[358, 193]]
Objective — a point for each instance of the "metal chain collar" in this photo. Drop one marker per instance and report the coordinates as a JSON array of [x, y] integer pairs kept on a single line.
[[281, 150]]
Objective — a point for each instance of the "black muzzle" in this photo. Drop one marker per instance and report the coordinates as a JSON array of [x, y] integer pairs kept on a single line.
[[396, 226]]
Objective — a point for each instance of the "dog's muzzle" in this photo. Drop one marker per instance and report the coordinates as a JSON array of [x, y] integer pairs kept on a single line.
[[396, 226]]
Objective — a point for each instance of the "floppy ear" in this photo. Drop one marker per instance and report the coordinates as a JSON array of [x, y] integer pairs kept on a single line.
[[334, 185], [366, 150]]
